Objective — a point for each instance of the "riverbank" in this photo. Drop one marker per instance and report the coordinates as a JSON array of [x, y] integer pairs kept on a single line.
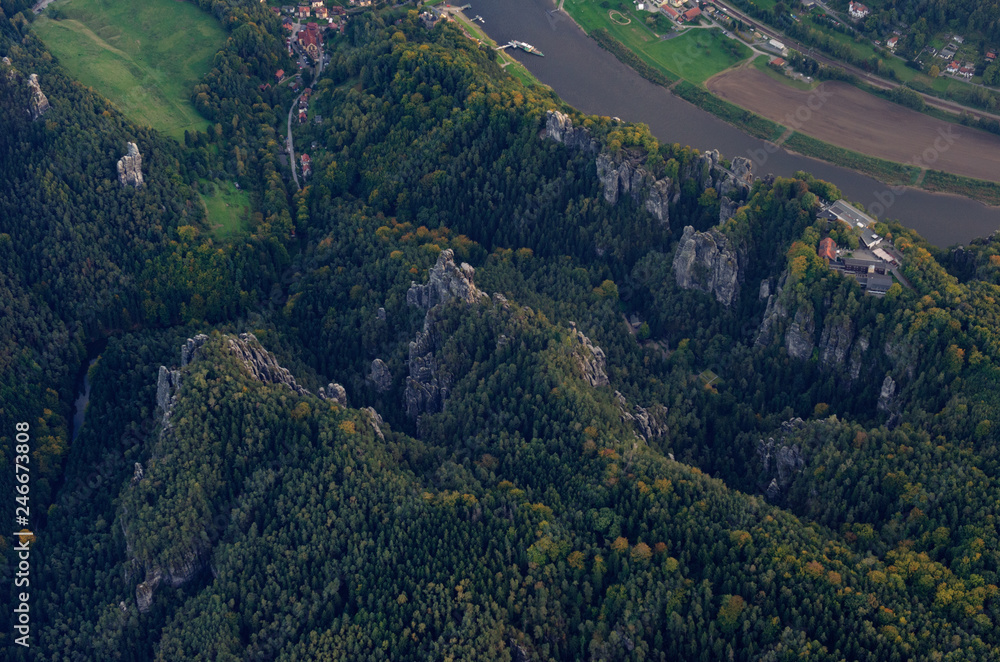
[[886, 171], [592, 80], [970, 155]]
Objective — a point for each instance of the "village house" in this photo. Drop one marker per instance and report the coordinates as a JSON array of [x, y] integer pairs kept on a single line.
[[307, 165], [279, 74], [311, 41], [692, 14], [316, 4], [671, 12], [967, 71], [952, 67], [777, 62], [828, 249], [991, 56], [891, 43], [858, 10], [304, 11], [321, 12]]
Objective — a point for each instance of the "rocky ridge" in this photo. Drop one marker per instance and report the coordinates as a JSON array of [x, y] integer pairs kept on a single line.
[[428, 384], [263, 367], [589, 358], [623, 175], [130, 167]]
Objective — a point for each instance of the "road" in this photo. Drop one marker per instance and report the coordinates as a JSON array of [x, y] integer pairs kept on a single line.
[[871, 79], [295, 104], [291, 146]]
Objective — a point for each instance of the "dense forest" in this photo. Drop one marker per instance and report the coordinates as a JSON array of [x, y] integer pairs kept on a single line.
[[459, 398]]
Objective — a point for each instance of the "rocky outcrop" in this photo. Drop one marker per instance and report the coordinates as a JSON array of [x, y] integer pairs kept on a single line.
[[380, 376], [261, 364], [765, 290], [130, 167], [189, 350], [428, 384], [137, 473], [800, 336], [857, 355], [39, 103], [589, 359], [446, 282], [705, 261], [376, 421], [175, 575], [648, 423], [888, 394], [559, 127], [334, 392], [779, 460], [835, 342], [727, 209], [658, 200]]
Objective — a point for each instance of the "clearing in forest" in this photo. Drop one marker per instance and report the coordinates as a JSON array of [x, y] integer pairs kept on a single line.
[[227, 208], [146, 57]]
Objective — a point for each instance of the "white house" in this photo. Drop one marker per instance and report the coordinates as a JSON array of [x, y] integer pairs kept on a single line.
[[857, 10]]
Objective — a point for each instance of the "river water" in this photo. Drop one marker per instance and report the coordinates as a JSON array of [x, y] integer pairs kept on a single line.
[[592, 80]]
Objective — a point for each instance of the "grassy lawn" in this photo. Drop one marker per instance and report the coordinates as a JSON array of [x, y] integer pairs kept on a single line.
[[695, 55], [227, 208], [144, 56]]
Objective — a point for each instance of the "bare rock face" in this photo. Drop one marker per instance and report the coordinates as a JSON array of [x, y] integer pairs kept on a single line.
[[779, 460], [888, 394], [658, 200], [428, 384], [175, 575], [800, 333], [39, 103], [648, 423], [589, 358], [130, 167], [765, 290], [727, 209], [835, 342], [446, 282], [189, 350], [559, 127], [705, 261], [261, 364], [334, 392], [376, 421], [380, 376], [857, 355], [618, 176]]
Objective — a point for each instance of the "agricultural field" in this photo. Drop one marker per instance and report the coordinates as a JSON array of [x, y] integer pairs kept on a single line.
[[144, 56], [695, 55], [226, 207], [847, 117]]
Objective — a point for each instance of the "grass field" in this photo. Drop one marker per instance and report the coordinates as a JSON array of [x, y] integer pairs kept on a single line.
[[696, 55], [144, 56], [227, 208]]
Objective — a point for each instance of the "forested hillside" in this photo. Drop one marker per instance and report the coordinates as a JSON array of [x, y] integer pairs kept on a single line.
[[502, 382]]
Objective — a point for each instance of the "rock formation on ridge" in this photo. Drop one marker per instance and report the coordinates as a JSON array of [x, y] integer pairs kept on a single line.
[[130, 167]]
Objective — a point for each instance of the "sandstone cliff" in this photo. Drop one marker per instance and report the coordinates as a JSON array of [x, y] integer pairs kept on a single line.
[[706, 261], [130, 167], [623, 175], [428, 383], [589, 358], [39, 103]]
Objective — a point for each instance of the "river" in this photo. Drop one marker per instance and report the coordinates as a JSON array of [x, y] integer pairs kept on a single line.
[[592, 80]]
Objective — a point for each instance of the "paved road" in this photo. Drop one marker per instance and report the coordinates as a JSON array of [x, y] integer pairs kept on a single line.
[[291, 146], [875, 81]]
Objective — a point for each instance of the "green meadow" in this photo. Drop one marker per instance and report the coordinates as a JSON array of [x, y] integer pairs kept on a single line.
[[696, 55], [227, 208], [146, 57]]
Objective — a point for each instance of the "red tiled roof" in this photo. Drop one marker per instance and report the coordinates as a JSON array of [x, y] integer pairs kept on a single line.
[[828, 249], [692, 14]]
